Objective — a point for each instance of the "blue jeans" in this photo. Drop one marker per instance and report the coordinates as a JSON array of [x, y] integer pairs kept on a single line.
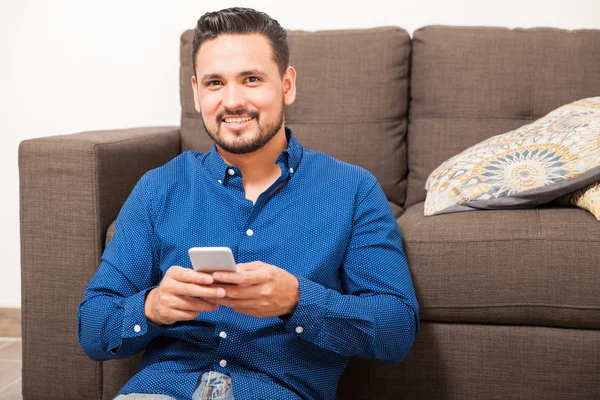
[[213, 386]]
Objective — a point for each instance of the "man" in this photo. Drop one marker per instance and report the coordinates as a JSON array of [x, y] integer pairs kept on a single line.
[[321, 271]]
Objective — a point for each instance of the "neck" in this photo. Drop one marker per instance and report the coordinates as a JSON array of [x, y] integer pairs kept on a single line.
[[260, 164]]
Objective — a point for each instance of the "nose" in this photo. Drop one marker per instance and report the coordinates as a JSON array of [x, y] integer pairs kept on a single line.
[[233, 97]]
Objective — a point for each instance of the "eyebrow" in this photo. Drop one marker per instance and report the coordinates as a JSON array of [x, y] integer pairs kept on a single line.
[[251, 72]]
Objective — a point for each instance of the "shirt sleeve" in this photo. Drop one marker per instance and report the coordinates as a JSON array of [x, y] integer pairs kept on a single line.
[[377, 316], [111, 318]]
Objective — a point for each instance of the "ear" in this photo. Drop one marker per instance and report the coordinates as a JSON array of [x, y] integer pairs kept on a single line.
[[196, 98], [289, 85]]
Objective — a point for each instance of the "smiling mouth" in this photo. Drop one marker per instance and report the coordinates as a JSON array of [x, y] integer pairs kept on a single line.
[[236, 120]]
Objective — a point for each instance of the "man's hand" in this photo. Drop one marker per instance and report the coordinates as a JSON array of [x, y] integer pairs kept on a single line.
[[175, 298], [261, 290]]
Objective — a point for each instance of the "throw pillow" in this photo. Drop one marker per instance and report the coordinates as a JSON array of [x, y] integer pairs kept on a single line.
[[587, 198], [534, 164]]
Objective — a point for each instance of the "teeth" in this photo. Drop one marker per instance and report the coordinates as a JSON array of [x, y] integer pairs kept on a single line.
[[237, 120]]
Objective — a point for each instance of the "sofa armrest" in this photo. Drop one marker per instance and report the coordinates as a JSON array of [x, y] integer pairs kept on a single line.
[[71, 188]]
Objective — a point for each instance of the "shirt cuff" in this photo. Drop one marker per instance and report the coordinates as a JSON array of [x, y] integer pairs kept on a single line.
[[307, 319], [136, 326]]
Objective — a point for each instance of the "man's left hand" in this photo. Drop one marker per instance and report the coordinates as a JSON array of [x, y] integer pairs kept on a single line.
[[258, 289]]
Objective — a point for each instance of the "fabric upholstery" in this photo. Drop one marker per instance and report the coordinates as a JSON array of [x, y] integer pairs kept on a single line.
[[71, 188], [351, 103], [532, 165], [515, 272], [468, 361], [468, 84], [473, 361], [505, 266], [115, 373]]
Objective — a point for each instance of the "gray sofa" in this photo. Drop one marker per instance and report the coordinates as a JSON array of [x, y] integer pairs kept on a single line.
[[510, 304]]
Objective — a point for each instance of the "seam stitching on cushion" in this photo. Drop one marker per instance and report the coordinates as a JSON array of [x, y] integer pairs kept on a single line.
[[349, 32], [24, 293], [400, 119], [94, 173], [531, 61], [500, 305], [500, 240], [454, 117], [67, 141], [379, 121]]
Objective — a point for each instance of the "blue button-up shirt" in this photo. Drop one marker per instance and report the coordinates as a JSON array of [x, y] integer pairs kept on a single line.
[[325, 221]]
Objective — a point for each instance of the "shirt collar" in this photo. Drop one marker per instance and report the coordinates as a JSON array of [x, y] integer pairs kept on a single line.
[[290, 157], [293, 151]]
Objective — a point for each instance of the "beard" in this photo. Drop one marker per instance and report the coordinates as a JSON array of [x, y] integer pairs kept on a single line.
[[254, 141]]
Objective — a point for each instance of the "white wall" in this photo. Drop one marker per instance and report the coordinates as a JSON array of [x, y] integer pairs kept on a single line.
[[70, 66]]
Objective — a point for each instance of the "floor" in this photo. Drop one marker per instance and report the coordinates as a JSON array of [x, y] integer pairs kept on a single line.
[[10, 368]]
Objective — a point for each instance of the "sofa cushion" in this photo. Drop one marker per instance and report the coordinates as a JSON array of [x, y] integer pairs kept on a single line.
[[532, 165], [482, 361], [533, 267], [469, 84], [352, 98]]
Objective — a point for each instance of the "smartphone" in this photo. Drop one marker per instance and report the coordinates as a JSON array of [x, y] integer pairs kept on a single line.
[[211, 259]]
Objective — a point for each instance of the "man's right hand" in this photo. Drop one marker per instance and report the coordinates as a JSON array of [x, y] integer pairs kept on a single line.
[[175, 299]]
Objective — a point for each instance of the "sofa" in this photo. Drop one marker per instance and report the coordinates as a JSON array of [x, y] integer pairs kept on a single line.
[[509, 299]]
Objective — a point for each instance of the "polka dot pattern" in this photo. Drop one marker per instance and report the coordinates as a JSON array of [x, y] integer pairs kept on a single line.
[[325, 221]]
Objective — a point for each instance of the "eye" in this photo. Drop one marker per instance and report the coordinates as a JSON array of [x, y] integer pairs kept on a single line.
[[253, 79], [213, 83]]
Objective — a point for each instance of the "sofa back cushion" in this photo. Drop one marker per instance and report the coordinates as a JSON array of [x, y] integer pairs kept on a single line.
[[468, 84], [351, 103]]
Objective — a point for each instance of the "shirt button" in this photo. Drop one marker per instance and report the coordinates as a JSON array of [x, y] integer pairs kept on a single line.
[[249, 232], [220, 181], [291, 170], [223, 363], [137, 328], [299, 329], [223, 334], [231, 172]]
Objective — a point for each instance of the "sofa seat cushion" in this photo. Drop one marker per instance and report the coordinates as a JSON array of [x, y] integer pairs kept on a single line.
[[531, 266]]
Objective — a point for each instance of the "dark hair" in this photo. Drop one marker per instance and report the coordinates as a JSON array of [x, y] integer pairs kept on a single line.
[[242, 21]]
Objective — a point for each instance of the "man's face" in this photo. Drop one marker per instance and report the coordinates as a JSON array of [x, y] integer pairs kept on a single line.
[[240, 92]]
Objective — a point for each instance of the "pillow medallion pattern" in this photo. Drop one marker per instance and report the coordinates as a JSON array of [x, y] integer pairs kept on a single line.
[[534, 164], [587, 198]]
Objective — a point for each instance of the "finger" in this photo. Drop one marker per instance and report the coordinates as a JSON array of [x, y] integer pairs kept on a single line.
[[194, 290], [251, 266], [185, 303], [188, 275], [253, 277], [243, 292]]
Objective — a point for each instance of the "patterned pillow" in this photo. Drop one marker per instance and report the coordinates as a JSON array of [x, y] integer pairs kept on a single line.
[[534, 164], [587, 198]]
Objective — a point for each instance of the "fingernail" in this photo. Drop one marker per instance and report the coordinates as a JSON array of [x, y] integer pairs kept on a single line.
[[208, 279], [217, 275], [221, 293]]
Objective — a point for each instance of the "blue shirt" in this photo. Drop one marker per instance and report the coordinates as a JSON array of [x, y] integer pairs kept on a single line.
[[325, 221]]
